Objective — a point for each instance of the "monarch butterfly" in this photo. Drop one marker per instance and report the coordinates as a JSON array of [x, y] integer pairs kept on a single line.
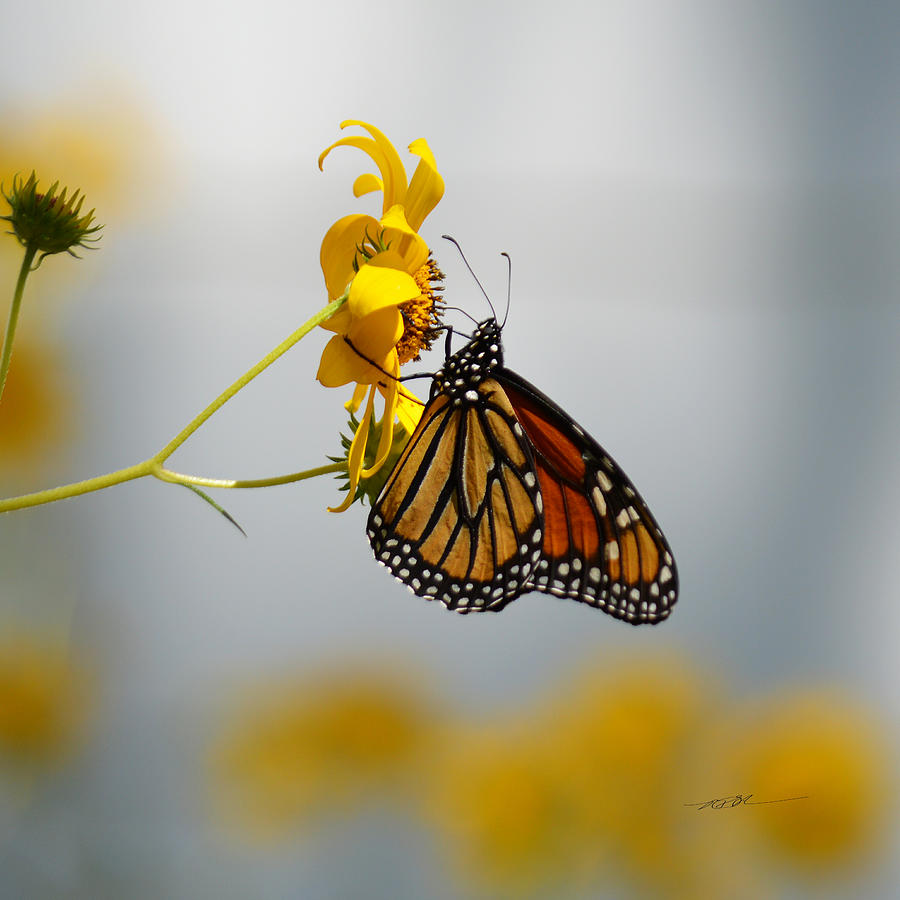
[[499, 492]]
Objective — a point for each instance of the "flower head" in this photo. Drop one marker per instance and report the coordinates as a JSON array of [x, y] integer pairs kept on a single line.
[[49, 222], [828, 750], [384, 269], [37, 416], [505, 810], [42, 701], [297, 749]]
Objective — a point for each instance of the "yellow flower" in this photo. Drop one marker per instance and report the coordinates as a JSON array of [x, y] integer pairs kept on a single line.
[[826, 749], [620, 734], [97, 141], [383, 266], [36, 413], [504, 812], [42, 701], [304, 748]]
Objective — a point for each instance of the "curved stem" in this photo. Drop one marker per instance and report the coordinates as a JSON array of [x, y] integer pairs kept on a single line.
[[78, 487], [154, 465], [178, 478], [13, 320], [247, 377]]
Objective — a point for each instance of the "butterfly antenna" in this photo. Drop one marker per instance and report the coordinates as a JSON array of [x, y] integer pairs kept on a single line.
[[453, 241], [459, 309], [508, 287]]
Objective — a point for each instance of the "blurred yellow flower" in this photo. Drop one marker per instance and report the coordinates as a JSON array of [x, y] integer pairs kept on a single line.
[[98, 140], [579, 791], [621, 734], [504, 810], [300, 750], [94, 141], [36, 413], [384, 267], [593, 792], [829, 750], [42, 701]]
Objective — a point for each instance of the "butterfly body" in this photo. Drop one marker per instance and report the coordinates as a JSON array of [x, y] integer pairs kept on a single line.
[[499, 492]]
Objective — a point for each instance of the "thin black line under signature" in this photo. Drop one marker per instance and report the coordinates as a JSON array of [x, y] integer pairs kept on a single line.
[[739, 800]]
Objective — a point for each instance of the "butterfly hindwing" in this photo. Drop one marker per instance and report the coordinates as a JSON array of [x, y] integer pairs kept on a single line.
[[601, 544], [459, 517]]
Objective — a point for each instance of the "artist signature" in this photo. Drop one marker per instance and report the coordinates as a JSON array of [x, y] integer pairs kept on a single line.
[[739, 800]]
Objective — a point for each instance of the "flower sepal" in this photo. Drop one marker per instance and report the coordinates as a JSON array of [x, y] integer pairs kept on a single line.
[[370, 487]]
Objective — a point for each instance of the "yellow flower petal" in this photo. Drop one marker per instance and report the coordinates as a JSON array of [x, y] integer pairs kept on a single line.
[[393, 173], [409, 409], [383, 154], [357, 455], [352, 405], [375, 336], [426, 187], [403, 241], [367, 183], [375, 288], [367, 145], [339, 250], [340, 365], [340, 322], [387, 423]]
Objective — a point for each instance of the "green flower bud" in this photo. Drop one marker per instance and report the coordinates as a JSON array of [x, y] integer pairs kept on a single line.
[[49, 222]]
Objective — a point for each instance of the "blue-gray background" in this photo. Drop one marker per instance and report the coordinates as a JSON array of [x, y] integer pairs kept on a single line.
[[701, 204]]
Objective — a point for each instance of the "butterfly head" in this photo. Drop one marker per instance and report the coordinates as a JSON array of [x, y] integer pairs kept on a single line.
[[474, 362]]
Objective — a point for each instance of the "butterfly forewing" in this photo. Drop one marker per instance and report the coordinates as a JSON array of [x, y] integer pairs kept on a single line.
[[459, 517], [601, 543]]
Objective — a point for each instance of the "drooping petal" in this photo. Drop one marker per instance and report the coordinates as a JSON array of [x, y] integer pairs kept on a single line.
[[341, 365], [338, 250], [368, 146], [356, 455], [383, 154], [366, 184], [426, 187], [352, 405], [376, 287], [409, 409], [387, 424], [394, 174]]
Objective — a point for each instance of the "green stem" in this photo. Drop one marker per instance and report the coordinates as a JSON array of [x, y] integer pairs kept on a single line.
[[78, 487], [178, 478], [154, 465], [247, 377], [13, 320]]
